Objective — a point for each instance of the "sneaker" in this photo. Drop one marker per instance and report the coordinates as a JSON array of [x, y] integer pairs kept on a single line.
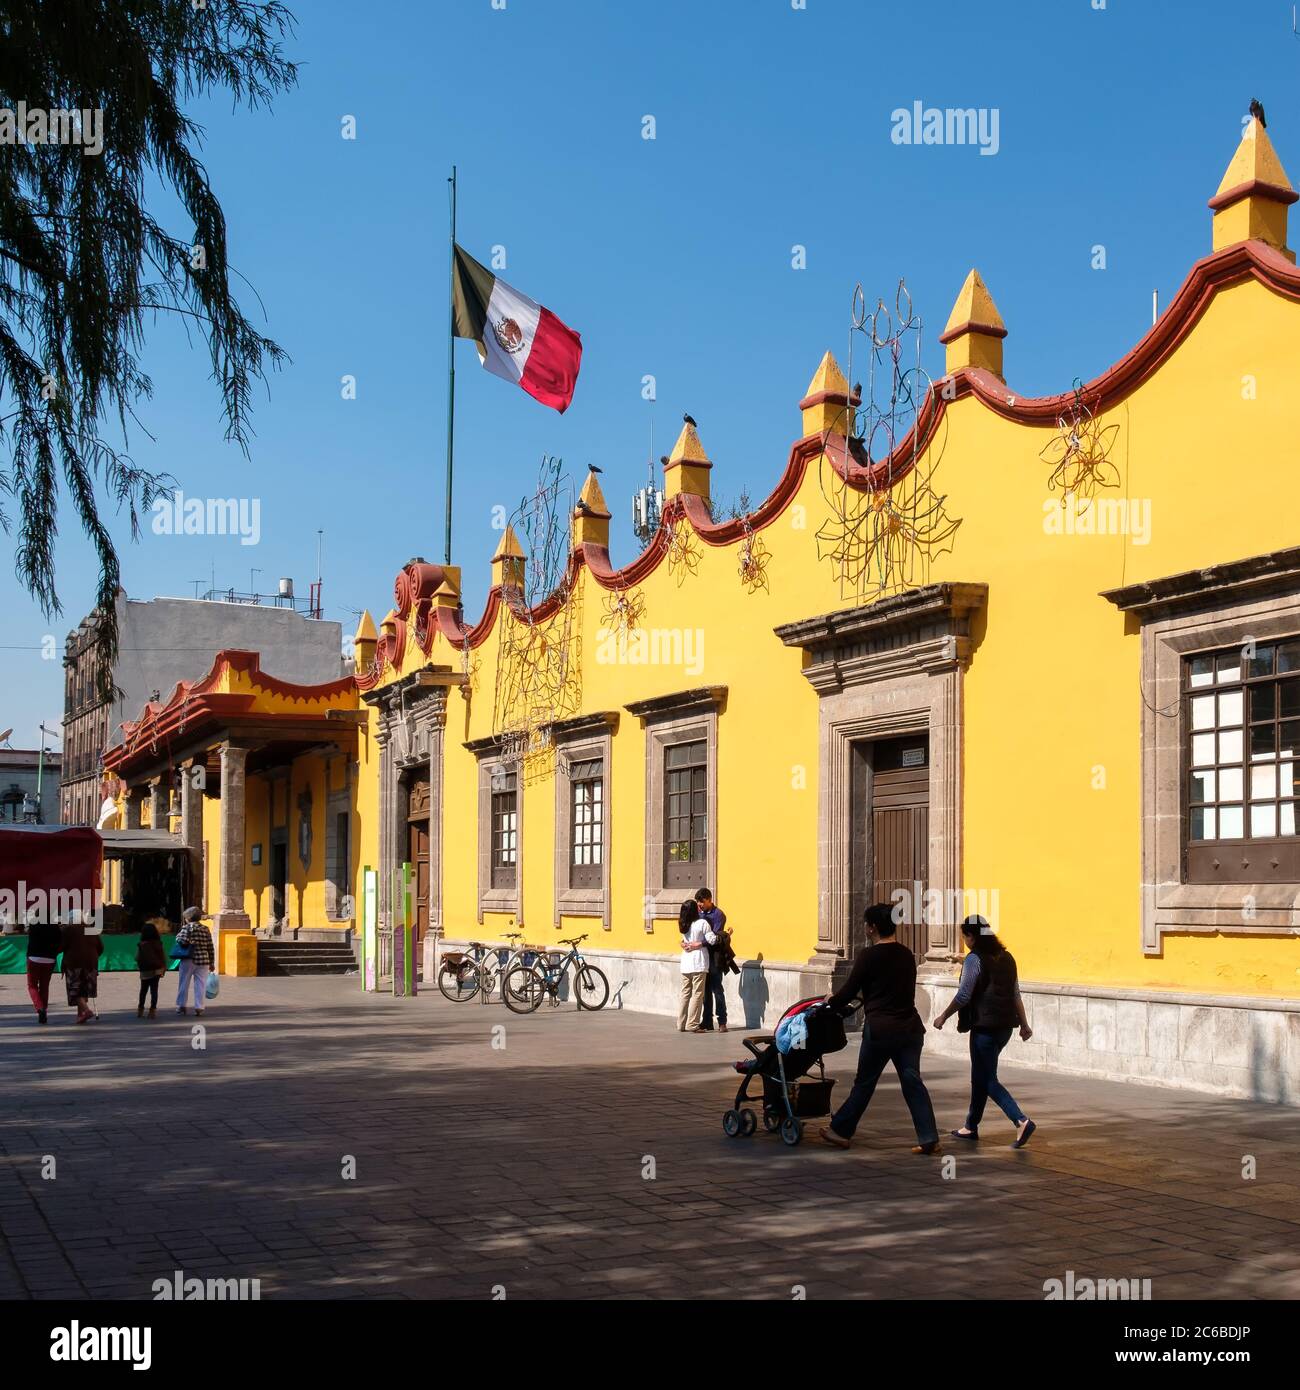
[[198, 1013], [703, 1028], [829, 1136], [722, 1027], [180, 1011]]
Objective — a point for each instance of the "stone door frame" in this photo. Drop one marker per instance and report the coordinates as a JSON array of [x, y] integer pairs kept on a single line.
[[412, 719], [887, 670]]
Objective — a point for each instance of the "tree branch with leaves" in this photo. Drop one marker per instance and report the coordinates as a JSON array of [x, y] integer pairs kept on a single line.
[[85, 265]]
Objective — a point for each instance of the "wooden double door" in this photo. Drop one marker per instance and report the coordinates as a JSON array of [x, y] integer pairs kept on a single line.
[[891, 834]]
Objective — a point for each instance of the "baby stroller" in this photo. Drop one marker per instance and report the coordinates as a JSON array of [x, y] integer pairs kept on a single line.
[[788, 1099]]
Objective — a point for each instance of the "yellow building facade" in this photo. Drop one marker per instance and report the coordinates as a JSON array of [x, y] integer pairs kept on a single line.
[[1040, 659]]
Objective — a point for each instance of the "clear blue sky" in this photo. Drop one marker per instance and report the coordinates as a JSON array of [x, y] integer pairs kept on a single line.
[[670, 257]]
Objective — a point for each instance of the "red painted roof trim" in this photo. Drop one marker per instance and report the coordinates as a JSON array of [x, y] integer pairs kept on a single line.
[[1253, 187], [194, 702], [1247, 260], [991, 330]]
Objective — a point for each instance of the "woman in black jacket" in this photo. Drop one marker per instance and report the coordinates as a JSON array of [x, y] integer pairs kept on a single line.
[[44, 942], [988, 1003]]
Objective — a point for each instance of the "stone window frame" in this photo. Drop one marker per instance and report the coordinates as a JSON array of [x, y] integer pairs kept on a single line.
[[685, 717], [1183, 615], [575, 740], [492, 756]]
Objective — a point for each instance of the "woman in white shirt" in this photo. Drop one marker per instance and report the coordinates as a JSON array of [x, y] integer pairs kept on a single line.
[[696, 936]]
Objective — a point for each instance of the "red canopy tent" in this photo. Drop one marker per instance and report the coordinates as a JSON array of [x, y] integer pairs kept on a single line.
[[48, 859]]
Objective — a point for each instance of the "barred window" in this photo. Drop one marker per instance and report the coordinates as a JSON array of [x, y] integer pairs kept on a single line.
[[686, 820], [586, 822], [1242, 740], [505, 828]]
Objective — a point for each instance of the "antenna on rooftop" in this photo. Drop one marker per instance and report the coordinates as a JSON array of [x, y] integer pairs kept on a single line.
[[315, 610], [647, 503]]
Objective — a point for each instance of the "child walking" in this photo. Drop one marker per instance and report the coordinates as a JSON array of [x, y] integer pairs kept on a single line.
[[152, 961]]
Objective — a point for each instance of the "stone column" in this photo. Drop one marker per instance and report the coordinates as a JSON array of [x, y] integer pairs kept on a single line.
[[158, 805], [131, 808], [389, 910], [386, 775], [192, 825], [231, 915]]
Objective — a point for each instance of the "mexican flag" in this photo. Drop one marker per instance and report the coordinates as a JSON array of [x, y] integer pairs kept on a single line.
[[517, 339]]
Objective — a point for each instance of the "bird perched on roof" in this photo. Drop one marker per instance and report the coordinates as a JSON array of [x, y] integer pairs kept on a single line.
[[689, 420], [1257, 110], [591, 468], [663, 458], [583, 508]]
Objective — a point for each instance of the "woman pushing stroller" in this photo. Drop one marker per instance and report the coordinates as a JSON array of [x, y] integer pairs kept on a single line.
[[884, 974]]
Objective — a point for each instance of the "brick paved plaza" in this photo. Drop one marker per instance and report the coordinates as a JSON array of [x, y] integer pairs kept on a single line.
[[523, 1167]]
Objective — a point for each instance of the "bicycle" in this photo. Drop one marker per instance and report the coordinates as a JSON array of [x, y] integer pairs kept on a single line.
[[479, 969], [462, 974], [527, 985]]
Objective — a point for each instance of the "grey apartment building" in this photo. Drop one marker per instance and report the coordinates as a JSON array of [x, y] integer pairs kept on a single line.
[[29, 785], [164, 641]]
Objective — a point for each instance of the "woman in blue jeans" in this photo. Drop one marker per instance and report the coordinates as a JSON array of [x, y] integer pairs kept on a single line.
[[988, 1003]]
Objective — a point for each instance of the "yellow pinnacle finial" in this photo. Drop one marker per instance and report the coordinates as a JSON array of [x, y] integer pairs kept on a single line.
[[508, 562], [592, 496], [591, 515], [687, 468], [1253, 195], [447, 594], [825, 404], [508, 546], [364, 643], [366, 630], [688, 448], [974, 332]]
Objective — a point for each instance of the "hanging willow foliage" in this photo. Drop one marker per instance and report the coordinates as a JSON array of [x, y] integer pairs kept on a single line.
[[85, 266]]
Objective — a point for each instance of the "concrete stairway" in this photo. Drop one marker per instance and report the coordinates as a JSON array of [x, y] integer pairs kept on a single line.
[[304, 958]]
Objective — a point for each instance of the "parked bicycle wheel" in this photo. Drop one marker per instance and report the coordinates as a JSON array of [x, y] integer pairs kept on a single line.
[[517, 978], [458, 980], [590, 987], [523, 989]]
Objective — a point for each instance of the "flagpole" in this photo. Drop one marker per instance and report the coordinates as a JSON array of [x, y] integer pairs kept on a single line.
[[451, 357]]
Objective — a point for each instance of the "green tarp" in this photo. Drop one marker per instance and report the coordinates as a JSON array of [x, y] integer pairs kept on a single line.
[[119, 953]]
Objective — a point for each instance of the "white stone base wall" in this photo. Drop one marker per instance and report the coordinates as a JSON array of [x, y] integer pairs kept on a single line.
[[1221, 1044], [1246, 1047], [651, 984]]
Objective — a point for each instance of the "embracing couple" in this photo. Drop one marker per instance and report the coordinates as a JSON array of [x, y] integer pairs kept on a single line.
[[707, 959]]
